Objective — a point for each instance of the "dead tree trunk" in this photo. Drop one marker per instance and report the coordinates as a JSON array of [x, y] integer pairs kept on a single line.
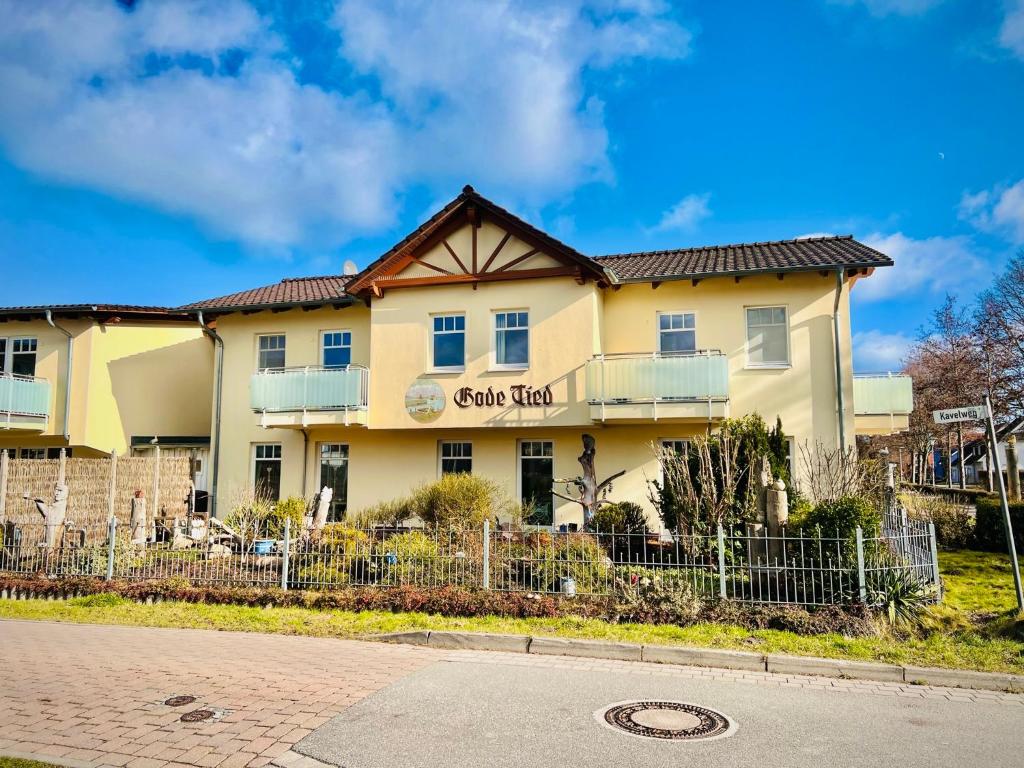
[[587, 486]]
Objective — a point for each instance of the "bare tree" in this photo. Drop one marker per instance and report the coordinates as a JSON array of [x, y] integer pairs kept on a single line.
[[591, 493], [999, 323]]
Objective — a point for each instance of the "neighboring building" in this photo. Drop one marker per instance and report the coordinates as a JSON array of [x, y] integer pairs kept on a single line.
[[136, 374], [976, 454], [481, 344]]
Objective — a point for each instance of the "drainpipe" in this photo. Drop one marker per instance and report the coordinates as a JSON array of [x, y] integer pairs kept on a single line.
[[839, 360], [305, 458], [67, 388], [218, 344]]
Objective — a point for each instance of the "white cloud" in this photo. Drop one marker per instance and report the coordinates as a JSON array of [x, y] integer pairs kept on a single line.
[[999, 210], [151, 105], [1011, 33], [875, 351], [892, 7], [933, 264], [686, 214]]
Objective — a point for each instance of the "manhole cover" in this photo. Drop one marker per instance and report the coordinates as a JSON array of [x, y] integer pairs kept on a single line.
[[671, 720], [179, 701], [197, 715]]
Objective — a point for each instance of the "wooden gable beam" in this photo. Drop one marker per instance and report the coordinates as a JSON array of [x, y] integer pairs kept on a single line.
[[454, 255], [494, 254], [517, 260]]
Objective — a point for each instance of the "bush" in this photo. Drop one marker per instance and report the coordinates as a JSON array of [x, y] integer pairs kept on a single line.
[[624, 517], [390, 514], [292, 509], [460, 501], [539, 561], [900, 595], [954, 524], [842, 517], [989, 530], [651, 600]]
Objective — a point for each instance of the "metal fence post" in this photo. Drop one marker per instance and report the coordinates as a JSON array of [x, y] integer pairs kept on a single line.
[[487, 554], [721, 561], [284, 556], [111, 538], [861, 582], [933, 544]]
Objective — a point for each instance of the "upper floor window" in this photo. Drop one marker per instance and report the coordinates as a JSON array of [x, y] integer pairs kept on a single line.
[[336, 351], [456, 457], [18, 356], [677, 332], [511, 339], [767, 337], [449, 337], [271, 351]]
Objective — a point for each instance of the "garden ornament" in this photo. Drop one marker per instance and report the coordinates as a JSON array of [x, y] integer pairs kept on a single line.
[[138, 520], [323, 507], [54, 513]]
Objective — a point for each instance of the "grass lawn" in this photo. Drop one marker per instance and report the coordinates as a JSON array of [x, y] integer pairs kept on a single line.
[[17, 762], [974, 629]]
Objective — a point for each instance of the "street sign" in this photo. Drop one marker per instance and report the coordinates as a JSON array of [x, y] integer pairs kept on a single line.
[[966, 413]]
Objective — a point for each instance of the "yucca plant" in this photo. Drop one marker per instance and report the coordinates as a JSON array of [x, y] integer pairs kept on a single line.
[[900, 595]]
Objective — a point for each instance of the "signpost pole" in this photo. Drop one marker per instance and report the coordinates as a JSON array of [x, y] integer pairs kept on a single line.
[[1007, 524]]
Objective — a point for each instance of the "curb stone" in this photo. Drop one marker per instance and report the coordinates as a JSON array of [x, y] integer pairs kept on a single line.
[[710, 657], [809, 665], [591, 649]]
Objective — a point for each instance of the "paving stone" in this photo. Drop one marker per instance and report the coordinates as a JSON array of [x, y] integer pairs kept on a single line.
[[704, 657], [954, 678], [558, 646], [801, 665]]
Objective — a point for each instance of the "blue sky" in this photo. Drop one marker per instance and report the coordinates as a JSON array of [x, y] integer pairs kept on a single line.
[[161, 152]]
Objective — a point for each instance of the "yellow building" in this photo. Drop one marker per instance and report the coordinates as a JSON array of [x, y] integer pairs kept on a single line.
[[479, 343], [99, 378]]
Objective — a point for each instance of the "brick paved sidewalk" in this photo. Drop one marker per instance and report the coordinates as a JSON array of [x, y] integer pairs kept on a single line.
[[94, 694], [88, 694]]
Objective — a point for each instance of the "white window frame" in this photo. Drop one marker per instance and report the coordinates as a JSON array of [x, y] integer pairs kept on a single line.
[[494, 364], [7, 365], [775, 365], [324, 347], [657, 329], [519, 475], [441, 457], [284, 349], [252, 462], [665, 442], [465, 346]]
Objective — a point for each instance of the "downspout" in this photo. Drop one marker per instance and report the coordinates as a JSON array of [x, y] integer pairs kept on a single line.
[[305, 458], [218, 344], [839, 361], [67, 383]]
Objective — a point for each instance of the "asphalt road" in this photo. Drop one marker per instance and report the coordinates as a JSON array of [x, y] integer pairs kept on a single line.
[[499, 715]]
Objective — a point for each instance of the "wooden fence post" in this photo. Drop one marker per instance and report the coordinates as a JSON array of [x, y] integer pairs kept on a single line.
[[4, 468], [112, 493], [62, 468], [156, 494]]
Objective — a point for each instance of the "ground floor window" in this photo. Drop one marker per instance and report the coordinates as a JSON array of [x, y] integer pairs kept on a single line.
[[677, 446], [34, 453], [334, 475], [456, 457], [536, 476], [267, 469]]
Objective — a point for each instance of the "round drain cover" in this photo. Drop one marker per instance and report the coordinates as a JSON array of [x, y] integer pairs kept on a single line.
[[179, 701], [197, 715], [670, 720]]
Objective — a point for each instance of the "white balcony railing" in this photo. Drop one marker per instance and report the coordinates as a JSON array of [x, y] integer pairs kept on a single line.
[[310, 388], [882, 394], [657, 377], [23, 397]]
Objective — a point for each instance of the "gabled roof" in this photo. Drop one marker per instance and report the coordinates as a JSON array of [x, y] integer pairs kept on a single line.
[[470, 206], [101, 312], [808, 254], [292, 291]]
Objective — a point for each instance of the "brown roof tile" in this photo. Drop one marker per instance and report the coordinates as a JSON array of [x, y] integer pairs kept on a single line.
[[779, 256], [292, 290]]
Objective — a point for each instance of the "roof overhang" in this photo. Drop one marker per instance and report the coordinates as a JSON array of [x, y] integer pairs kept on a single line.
[[99, 312]]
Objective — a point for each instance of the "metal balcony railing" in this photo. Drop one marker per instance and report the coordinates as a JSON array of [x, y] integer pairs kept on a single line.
[[23, 396], [309, 388], [878, 394], [658, 377]]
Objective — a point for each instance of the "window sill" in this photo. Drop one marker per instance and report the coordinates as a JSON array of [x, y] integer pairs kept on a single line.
[[768, 367], [443, 371], [508, 368]]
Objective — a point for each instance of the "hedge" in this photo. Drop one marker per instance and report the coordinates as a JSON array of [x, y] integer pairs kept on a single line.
[[989, 532]]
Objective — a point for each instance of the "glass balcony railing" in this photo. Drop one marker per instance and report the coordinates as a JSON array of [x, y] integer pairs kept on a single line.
[[23, 396], [652, 378], [882, 394], [309, 389]]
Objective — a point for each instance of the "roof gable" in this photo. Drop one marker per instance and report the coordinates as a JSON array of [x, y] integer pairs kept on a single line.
[[472, 240]]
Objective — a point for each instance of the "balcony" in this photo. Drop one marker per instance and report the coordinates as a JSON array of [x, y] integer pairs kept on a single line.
[[882, 403], [24, 402], [310, 396], [645, 387]]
